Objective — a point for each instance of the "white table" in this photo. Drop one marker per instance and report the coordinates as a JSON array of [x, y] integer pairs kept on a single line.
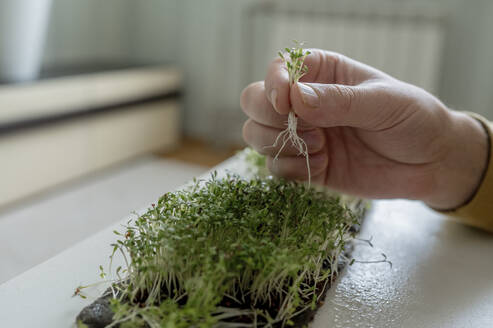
[[442, 276], [40, 228]]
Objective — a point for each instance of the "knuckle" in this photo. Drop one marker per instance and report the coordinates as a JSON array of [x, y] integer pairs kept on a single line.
[[345, 96], [332, 56], [319, 162], [277, 60], [315, 140]]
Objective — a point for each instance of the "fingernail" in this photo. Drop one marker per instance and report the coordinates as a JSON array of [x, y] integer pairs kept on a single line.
[[308, 95], [273, 98]]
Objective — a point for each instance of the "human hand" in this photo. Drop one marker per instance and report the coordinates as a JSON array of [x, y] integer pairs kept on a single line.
[[367, 134]]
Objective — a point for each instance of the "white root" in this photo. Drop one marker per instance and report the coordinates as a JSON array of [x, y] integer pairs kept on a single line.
[[290, 134]]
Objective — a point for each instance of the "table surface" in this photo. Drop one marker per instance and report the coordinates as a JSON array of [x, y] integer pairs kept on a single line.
[[442, 275], [44, 226]]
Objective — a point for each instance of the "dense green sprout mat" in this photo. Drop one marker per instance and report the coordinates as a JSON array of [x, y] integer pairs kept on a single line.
[[228, 252]]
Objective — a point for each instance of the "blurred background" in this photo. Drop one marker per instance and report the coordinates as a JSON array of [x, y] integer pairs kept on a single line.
[[107, 104]]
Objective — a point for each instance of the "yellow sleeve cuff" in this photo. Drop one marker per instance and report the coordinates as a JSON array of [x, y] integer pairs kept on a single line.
[[478, 211]]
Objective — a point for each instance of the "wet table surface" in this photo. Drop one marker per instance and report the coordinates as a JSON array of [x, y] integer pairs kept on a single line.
[[442, 276]]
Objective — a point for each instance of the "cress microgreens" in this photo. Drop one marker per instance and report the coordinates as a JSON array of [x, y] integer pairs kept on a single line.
[[230, 252], [294, 59]]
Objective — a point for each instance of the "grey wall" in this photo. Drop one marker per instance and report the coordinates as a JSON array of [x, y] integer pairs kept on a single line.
[[195, 33], [89, 30], [467, 81]]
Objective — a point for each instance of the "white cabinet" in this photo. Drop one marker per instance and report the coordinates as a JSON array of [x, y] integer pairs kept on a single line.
[[59, 129]]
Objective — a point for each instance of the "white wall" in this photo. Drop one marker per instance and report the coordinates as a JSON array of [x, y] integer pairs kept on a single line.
[[467, 81], [195, 33], [188, 33], [90, 30]]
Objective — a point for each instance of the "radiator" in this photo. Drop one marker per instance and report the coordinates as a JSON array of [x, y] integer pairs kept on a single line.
[[402, 40]]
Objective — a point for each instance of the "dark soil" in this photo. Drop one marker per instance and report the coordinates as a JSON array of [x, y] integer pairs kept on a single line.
[[98, 314]]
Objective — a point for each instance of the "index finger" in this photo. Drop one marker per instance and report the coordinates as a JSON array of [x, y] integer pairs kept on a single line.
[[257, 107], [277, 86]]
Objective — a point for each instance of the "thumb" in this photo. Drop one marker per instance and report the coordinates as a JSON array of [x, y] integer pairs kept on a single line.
[[329, 105]]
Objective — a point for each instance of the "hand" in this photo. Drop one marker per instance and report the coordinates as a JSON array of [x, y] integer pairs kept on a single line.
[[367, 134]]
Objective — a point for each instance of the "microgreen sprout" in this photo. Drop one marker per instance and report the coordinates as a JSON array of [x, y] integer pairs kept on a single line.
[[232, 252], [78, 291], [383, 260], [256, 163], [294, 59]]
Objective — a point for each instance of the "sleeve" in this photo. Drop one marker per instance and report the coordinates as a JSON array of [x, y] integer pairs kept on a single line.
[[478, 211]]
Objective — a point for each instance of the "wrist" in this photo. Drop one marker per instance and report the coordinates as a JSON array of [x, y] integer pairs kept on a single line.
[[460, 172]]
